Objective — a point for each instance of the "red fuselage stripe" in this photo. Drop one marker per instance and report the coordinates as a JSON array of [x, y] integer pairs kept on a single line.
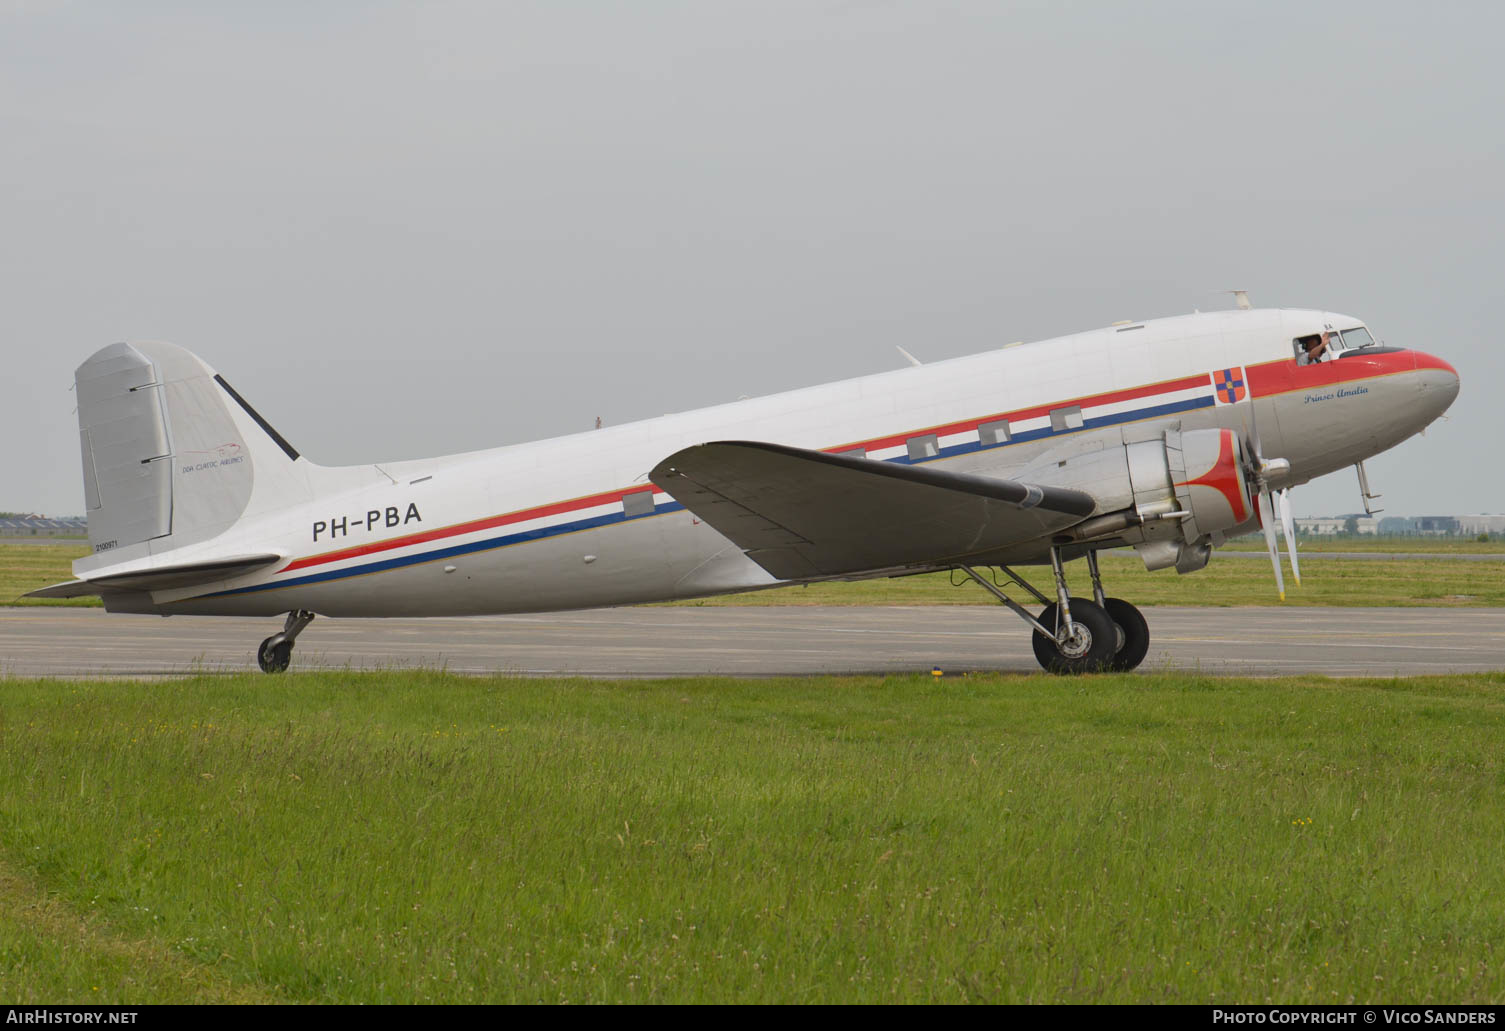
[[1276, 377], [1095, 400], [491, 522]]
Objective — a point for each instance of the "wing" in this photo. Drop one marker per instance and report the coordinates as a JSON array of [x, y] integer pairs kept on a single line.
[[802, 514], [159, 578]]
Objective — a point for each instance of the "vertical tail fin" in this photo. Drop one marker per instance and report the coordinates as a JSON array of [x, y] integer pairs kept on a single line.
[[171, 454]]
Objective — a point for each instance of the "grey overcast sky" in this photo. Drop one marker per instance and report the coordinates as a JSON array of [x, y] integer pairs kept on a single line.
[[411, 229]]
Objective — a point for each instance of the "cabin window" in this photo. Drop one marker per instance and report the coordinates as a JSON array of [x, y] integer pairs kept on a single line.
[[991, 434], [856, 452], [639, 504], [1066, 418], [921, 448]]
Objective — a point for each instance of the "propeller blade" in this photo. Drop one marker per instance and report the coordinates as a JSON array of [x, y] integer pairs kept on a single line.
[[1267, 519], [1283, 505], [1257, 448]]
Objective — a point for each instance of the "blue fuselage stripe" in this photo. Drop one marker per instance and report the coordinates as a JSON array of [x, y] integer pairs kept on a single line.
[[610, 519]]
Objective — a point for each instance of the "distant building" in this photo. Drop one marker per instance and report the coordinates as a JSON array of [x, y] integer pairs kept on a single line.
[[1402, 526], [41, 526], [1329, 526], [1436, 526], [1477, 524]]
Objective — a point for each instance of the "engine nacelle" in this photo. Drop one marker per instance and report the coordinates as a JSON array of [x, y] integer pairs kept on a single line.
[[1168, 495], [1200, 473]]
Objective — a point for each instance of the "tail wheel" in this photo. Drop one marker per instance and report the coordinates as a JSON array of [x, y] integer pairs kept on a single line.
[[1134, 630], [1089, 646], [274, 656]]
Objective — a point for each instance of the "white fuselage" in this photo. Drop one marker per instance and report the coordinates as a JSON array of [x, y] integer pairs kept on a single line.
[[542, 526]]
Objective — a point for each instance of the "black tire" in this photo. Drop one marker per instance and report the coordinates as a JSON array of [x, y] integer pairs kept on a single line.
[[1136, 634], [1103, 644], [273, 657]]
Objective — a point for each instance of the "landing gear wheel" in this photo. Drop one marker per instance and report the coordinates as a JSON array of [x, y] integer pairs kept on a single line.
[[276, 653], [1133, 630], [275, 656], [1089, 647]]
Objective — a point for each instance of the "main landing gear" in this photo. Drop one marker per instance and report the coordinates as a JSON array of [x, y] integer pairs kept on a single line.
[[1078, 636], [276, 652]]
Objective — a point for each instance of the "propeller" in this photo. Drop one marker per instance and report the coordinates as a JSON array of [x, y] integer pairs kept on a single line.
[[1259, 471], [1267, 520], [1283, 507]]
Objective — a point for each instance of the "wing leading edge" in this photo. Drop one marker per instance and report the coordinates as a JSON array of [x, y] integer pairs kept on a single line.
[[802, 514]]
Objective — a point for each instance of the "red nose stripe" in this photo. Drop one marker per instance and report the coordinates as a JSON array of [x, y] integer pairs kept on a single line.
[[1285, 376], [1427, 361]]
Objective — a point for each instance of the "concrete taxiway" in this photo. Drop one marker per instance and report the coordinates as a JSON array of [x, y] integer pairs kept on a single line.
[[750, 641]]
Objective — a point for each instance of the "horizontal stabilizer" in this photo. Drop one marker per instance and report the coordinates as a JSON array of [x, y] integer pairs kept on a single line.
[[159, 578], [801, 514], [66, 589]]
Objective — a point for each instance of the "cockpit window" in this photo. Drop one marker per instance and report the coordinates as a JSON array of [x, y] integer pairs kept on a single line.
[[1356, 338], [1315, 347], [1330, 344]]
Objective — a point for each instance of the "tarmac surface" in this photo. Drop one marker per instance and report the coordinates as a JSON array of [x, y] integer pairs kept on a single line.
[[1376, 556], [753, 641]]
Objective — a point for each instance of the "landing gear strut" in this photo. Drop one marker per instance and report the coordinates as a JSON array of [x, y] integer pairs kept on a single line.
[[1078, 636], [276, 652]]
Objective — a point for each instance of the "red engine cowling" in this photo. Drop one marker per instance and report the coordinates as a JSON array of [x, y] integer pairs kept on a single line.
[[1167, 495], [1210, 482], [1195, 481]]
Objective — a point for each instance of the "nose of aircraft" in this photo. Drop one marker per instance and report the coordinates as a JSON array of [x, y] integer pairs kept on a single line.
[[1438, 381]]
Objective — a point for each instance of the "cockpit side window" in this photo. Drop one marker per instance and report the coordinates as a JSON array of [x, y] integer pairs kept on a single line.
[[1331, 344], [1356, 338], [1313, 348]]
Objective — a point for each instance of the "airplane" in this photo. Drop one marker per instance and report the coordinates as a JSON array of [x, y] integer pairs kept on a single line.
[[1166, 436]]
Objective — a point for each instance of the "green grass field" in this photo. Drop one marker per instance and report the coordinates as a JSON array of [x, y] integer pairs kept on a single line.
[[422, 837], [1226, 581], [25, 567]]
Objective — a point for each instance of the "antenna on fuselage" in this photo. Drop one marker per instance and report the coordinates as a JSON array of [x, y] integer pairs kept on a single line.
[[911, 358], [1241, 298]]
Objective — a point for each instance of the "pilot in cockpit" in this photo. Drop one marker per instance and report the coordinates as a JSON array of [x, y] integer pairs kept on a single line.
[[1314, 348]]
